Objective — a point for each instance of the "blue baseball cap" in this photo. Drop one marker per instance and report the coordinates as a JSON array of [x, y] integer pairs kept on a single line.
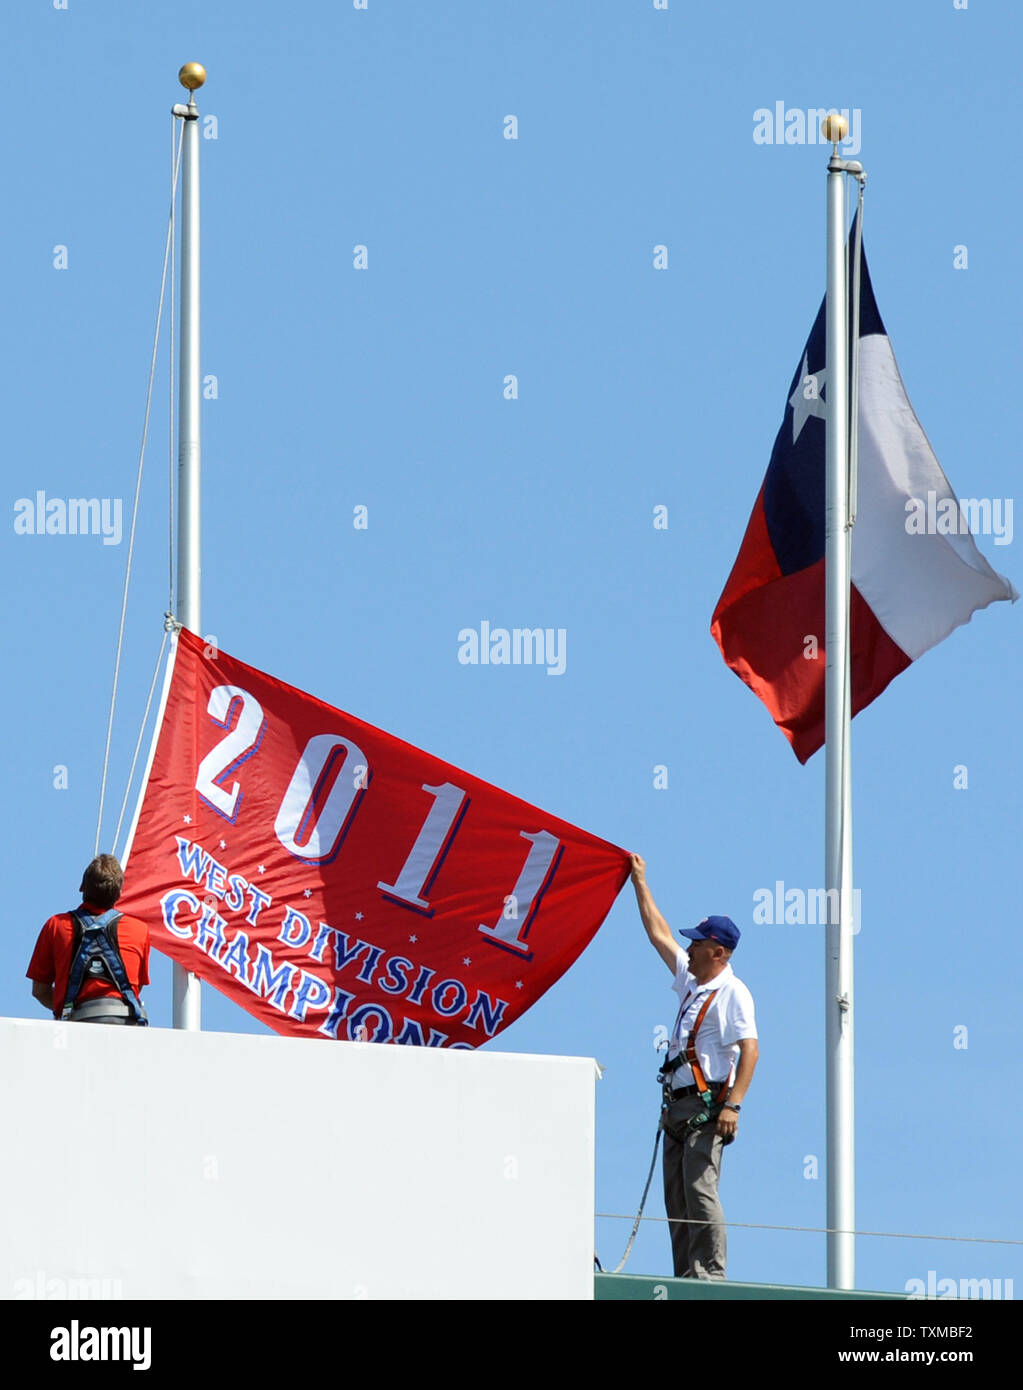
[[720, 929]]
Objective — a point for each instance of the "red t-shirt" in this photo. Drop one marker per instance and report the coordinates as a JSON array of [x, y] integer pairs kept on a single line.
[[51, 959]]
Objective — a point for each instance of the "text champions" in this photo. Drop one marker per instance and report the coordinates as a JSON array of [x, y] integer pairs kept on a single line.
[[300, 981]]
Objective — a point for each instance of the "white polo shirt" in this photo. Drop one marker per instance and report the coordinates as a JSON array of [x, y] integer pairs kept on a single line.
[[729, 1019]]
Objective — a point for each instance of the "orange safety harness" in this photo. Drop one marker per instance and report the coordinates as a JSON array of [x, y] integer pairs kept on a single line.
[[688, 1057], [690, 1054]]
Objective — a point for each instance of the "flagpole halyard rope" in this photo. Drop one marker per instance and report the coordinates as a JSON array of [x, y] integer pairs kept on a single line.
[[171, 413], [168, 247], [854, 360], [138, 741]]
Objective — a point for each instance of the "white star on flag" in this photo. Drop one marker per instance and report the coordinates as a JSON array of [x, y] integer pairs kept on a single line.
[[262, 869], [188, 820], [358, 916], [413, 939], [804, 406], [308, 892], [466, 960], [223, 844], [518, 984]]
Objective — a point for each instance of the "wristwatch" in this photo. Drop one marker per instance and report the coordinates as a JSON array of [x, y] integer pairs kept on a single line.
[[729, 1106]]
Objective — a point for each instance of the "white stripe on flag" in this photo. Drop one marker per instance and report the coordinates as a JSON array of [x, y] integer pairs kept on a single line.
[[919, 587]]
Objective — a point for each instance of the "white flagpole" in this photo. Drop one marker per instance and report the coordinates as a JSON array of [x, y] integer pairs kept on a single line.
[[838, 797], [187, 996]]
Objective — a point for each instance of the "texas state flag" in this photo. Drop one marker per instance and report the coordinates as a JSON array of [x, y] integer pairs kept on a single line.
[[916, 571]]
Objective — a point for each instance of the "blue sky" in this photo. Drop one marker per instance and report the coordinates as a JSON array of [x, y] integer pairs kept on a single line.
[[637, 388]]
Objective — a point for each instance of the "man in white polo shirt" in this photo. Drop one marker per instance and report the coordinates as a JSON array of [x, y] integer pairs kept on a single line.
[[712, 1053]]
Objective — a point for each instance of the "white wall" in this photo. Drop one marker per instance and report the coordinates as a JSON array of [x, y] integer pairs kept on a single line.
[[153, 1164]]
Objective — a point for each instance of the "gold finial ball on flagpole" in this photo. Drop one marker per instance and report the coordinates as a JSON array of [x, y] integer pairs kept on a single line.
[[192, 76], [834, 128]]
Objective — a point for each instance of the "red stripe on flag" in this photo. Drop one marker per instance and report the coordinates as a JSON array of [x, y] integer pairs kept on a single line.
[[755, 565], [763, 636]]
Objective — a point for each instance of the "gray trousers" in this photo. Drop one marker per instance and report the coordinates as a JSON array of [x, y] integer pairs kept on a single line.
[[692, 1167]]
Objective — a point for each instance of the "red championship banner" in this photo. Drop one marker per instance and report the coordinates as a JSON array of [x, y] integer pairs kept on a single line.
[[338, 883]]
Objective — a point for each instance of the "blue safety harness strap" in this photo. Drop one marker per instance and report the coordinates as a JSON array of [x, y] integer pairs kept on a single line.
[[96, 952]]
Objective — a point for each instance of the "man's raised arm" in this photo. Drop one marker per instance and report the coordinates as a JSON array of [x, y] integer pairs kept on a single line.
[[657, 928]]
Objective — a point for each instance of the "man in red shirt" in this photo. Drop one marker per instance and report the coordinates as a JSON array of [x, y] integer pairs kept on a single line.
[[99, 1000]]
